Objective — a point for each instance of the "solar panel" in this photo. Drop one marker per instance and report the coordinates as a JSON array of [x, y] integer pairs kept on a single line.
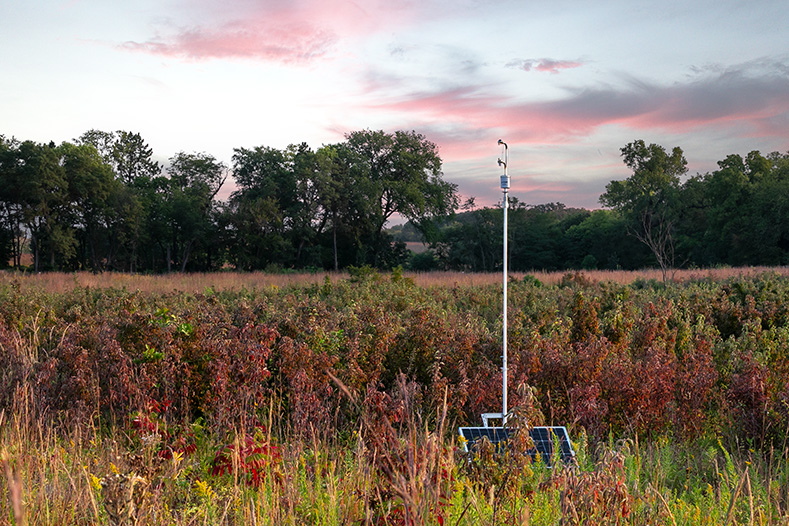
[[544, 438]]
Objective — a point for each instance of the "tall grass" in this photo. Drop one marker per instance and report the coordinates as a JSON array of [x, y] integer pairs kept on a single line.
[[201, 282], [254, 404], [54, 478]]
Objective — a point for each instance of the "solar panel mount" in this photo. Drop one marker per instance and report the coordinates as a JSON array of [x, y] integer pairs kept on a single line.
[[546, 440]]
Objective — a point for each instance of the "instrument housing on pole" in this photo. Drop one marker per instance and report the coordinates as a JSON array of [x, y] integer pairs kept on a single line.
[[550, 443], [505, 186]]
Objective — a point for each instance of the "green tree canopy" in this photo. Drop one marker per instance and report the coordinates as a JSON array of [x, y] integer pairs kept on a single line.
[[404, 170], [647, 199], [194, 181]]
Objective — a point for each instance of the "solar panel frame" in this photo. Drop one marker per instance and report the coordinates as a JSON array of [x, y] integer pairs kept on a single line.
[[544, 438]]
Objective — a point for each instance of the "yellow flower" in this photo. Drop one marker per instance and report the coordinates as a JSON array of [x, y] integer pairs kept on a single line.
[[178, 456], [204, 490], [95, 483]]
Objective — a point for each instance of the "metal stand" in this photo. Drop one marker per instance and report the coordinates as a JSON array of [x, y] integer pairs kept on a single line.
[[505, 187], [549, 442]]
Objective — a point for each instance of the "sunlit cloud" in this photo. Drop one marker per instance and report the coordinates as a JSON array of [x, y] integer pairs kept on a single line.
[[732, 98], [544, 65], [735, 98], [279, 43], [285, 32]]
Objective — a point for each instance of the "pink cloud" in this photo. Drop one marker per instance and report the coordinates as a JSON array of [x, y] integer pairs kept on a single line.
[[526, 122], [292, 31], [275, 44], [284, 43], [750, 105], [754, 102], [545, 65]]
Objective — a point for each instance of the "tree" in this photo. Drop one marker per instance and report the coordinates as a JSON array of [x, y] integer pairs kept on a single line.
[[103, 141], [602, 234], [126, 152], [726, 196], [132, 158], [312, 176], [151, 241], [11, 219], [132, 162], [195, 180], [471, 241], [257, 211], [768, 208], [87, 210], [328, 207], [40, 191], [648, 198], [404, 171], [537, 235], [736, 214], [348, 206]]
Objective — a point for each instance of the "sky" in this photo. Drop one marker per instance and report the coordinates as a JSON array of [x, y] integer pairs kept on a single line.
[[566, 84]]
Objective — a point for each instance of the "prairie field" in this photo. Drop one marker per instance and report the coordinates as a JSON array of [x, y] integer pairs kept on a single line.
[[199, 282], [235, 398]]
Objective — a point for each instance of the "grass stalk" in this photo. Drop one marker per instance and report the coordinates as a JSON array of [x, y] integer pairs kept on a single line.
[[734, 496]]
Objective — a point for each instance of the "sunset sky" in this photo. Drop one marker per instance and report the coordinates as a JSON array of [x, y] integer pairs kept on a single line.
[[565, 83]]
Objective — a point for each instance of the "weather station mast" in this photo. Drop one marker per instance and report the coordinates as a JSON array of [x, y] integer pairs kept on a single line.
[[550, 442], [505, 187]]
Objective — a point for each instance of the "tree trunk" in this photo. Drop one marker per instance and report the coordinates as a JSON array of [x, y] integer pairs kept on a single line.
[[298, 251], [33, 248], [334, 236], [187, 252]]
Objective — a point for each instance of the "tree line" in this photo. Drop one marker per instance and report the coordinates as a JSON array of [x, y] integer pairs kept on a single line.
[[737, 215], [101, 203]]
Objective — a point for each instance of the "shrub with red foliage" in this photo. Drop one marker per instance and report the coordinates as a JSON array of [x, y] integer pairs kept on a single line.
[[236, 374], [695, 383], [700, 357], [749, 398], [415, 468], [112, 365], [87, 373], [308, 387], [151, 428], [252, 455], [15, 367]]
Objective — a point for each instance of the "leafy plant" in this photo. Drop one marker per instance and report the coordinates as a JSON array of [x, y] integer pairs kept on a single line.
[[250, 458]]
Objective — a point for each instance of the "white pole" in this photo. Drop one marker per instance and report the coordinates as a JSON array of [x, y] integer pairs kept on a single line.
[[505, 185], [504, 328]]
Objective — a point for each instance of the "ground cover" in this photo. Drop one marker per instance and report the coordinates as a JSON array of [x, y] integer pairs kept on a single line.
[[335, 399]]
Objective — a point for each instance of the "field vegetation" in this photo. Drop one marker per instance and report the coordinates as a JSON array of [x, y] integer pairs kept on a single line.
[[335, 398], [237, 281]]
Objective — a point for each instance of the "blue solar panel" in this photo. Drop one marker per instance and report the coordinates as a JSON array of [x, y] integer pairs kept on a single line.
[[544, 438]]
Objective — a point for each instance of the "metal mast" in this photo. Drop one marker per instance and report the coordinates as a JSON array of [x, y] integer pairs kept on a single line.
[[505, 186]]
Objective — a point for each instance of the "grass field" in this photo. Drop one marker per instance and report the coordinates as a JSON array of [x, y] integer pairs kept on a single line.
[[199, 282], [335, 398]]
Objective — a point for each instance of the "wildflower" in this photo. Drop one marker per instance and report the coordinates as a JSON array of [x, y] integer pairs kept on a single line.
[[95, 482], [204, 490]]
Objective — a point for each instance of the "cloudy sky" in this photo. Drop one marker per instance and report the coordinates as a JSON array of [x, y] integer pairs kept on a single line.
[[565, 83]]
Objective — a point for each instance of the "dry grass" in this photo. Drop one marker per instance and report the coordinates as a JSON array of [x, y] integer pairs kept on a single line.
[[51, 475], [47, 478], [190, 283], [200, 282]]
